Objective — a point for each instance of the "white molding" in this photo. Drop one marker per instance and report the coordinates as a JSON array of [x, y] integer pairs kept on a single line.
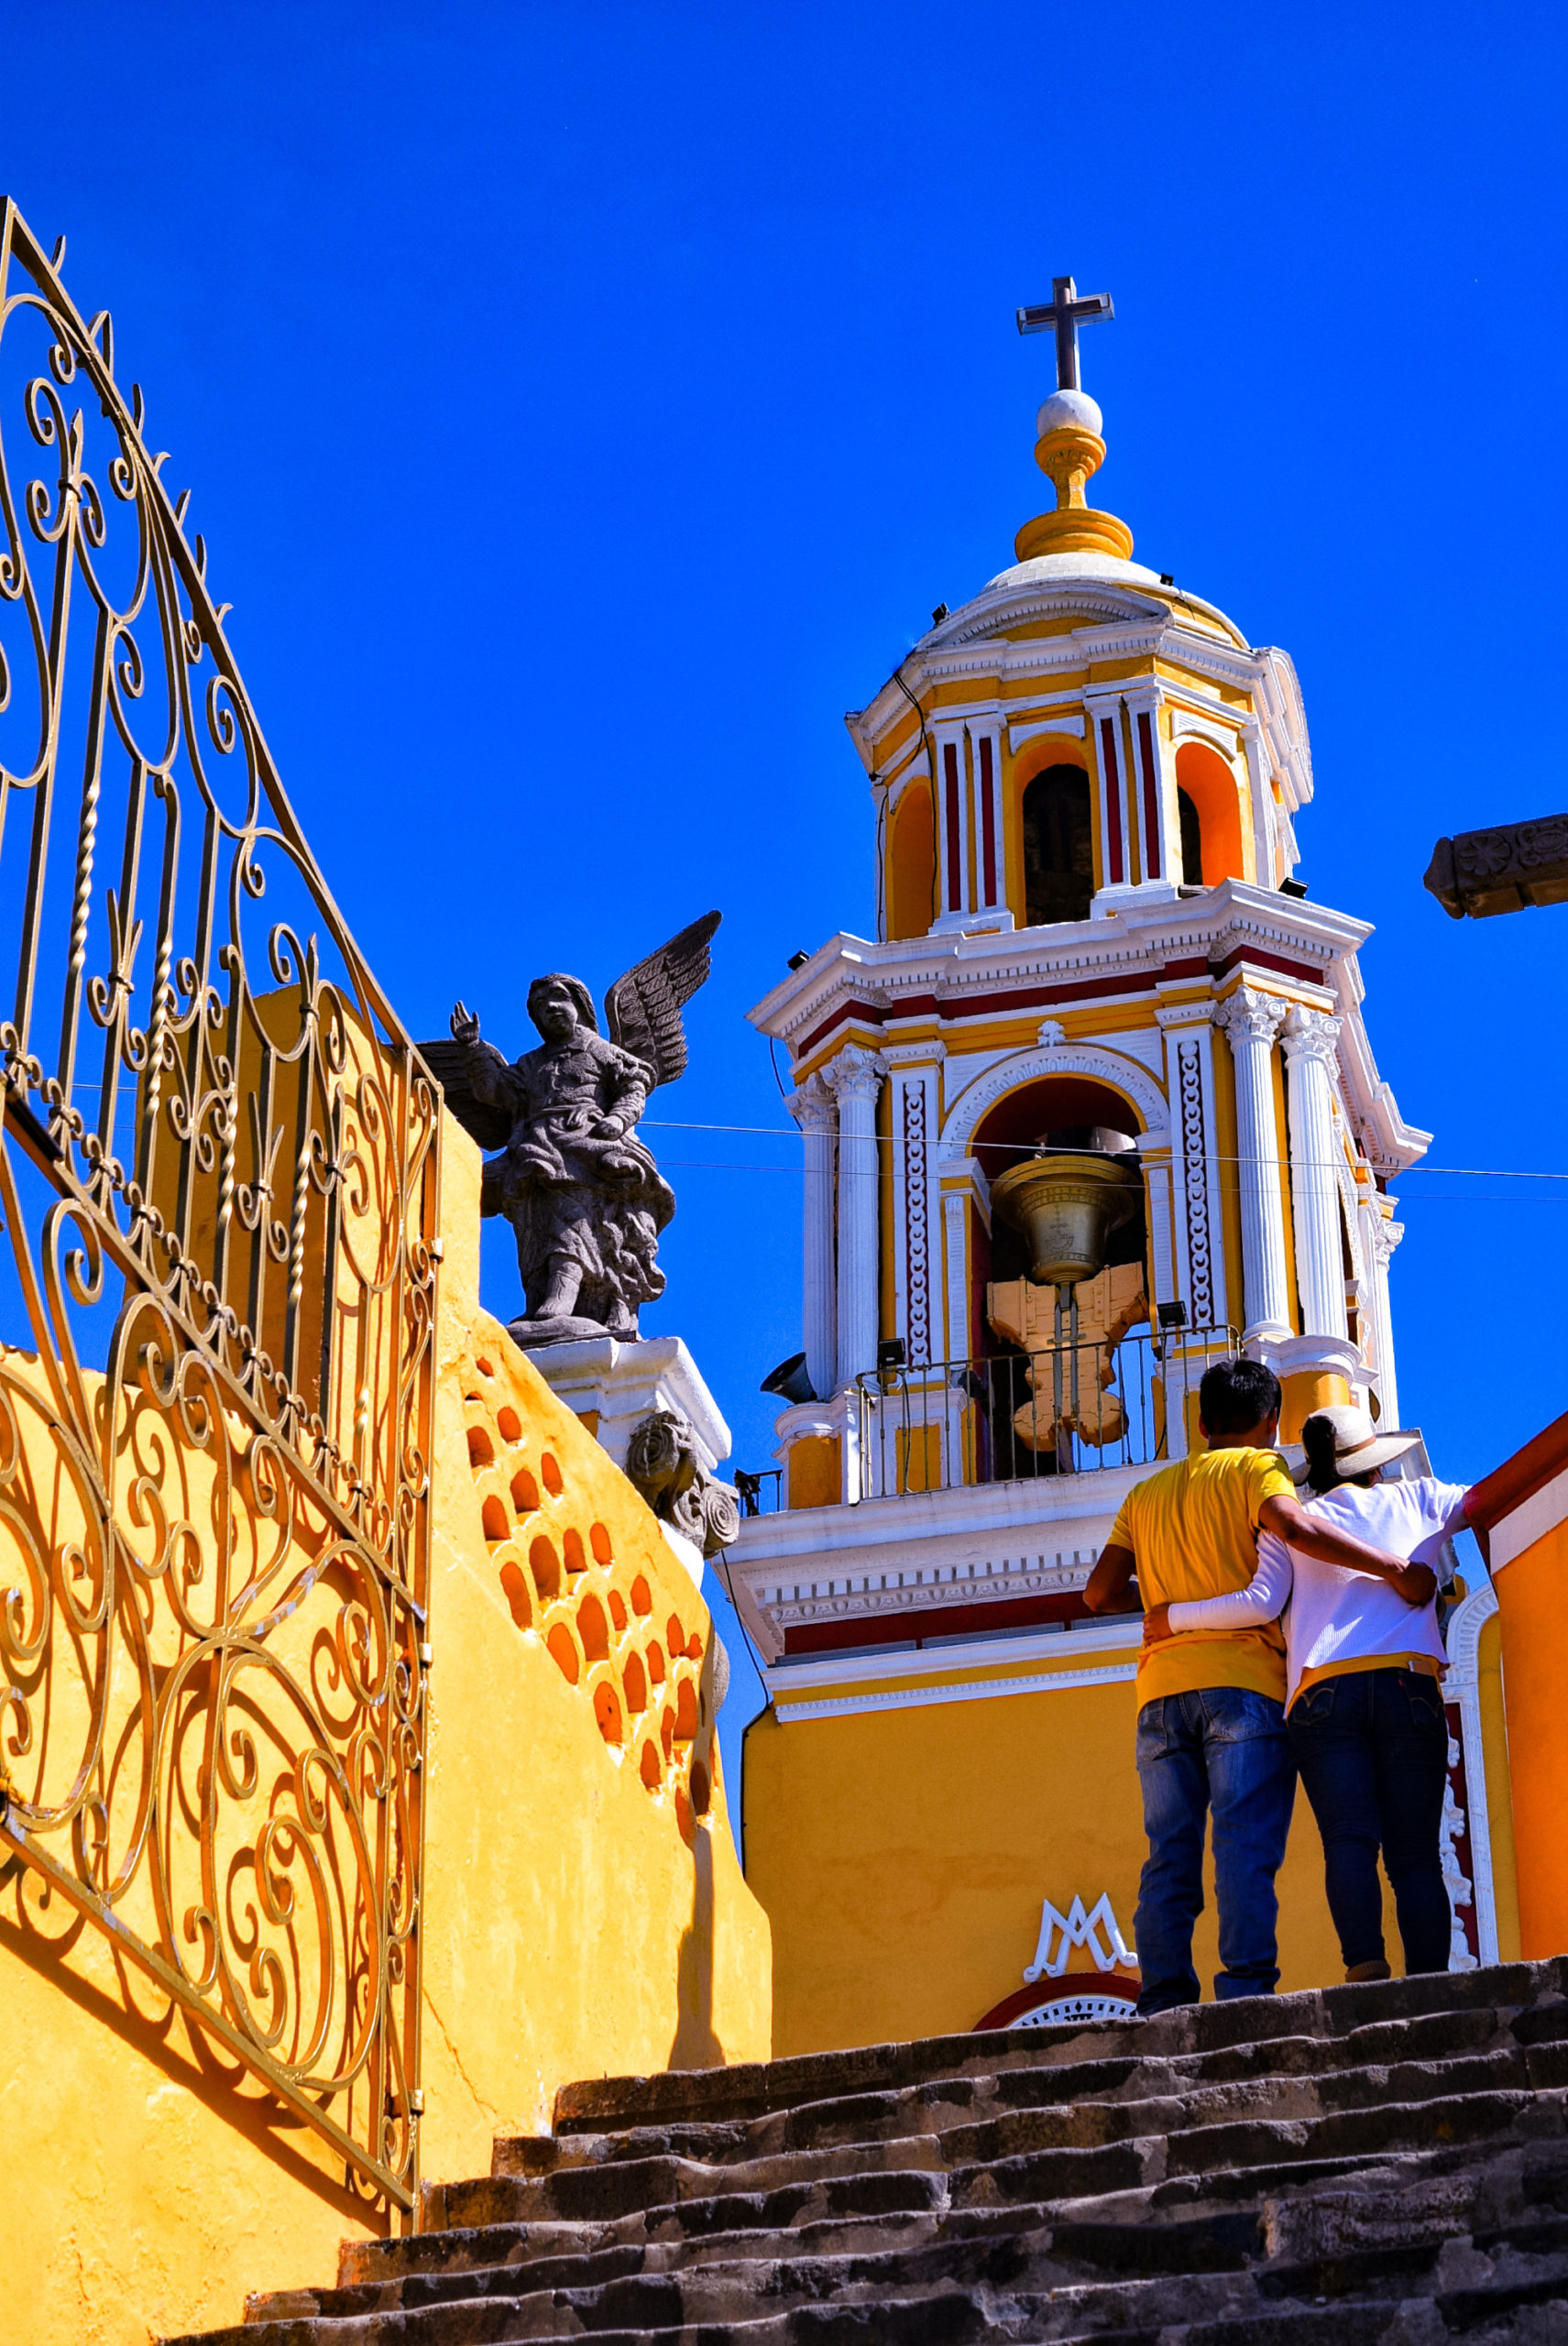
[[1121, 1633], [1186, 727], [916, 1698], [1071, 727], [1019, 1067], [1529, 1521], [1463, 1687]]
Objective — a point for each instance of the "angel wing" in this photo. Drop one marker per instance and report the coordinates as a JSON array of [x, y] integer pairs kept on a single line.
[[448, 1062], [642, 1010]]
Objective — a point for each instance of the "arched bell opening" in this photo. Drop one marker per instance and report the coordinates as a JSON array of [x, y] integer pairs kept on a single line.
[[1058, 846], [1024, 1386], [1209, 800], [912, 864]]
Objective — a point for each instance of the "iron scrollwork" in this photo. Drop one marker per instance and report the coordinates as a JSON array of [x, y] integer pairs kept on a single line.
[[219, 1180]]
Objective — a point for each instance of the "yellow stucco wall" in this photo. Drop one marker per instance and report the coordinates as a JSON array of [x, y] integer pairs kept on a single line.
[[904, 1856], [574, 1929], [580, 1915]]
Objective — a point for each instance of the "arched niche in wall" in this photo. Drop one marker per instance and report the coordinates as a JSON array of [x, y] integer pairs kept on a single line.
[[1209, 785], [1055, 816], [911, 862]]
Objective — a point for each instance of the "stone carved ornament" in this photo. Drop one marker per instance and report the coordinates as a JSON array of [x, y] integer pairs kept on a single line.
[[584, 1197], [662, 1464], [1502, 870]]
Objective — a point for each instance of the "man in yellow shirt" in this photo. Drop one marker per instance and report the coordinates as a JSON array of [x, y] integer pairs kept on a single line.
[[1212, 1704]]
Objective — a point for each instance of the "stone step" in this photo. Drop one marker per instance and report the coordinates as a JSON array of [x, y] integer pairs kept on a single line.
[[1099, 2103], [1460, 2284], [605, 2105], [1386, 2163], [1091, 2148], [1055, 2271]]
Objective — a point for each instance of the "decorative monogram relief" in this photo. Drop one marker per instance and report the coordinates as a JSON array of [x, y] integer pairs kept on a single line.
[[1060, 1933]]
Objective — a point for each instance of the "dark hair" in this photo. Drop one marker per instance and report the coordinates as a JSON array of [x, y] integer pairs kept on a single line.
[[1236, 1395], [1318, 1442]]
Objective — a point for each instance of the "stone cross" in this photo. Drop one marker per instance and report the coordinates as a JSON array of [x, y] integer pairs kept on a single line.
[[1063, 312]]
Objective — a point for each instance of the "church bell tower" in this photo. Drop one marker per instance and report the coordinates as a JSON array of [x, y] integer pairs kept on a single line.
[[1089, 948]]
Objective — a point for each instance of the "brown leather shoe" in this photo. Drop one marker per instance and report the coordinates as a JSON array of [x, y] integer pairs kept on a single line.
[[1378, 1970]]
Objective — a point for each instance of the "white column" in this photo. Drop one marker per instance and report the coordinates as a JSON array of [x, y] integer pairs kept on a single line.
[[816, 1111], [1251, 1021], [1310, 1051], [1382, 1238], [856, 1076]]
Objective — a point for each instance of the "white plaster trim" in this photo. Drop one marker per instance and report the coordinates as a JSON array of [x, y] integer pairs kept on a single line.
[[1463, 1687], [1095, 1640], [1072, 726], [1185, 727], [912, 1698], [1024, 1067], [1529, 1521]]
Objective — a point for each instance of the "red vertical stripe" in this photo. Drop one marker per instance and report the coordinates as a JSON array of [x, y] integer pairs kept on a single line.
[[1113, 865], [1151, 798], [955, 868], [988, 817]]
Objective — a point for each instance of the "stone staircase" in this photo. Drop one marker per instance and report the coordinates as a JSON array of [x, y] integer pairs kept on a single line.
[[1386, 2163]]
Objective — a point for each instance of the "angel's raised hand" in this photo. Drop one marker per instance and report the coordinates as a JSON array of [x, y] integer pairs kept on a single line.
[[465, 1024]]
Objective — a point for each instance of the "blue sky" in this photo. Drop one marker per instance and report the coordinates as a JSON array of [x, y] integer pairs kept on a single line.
[[584, 406]]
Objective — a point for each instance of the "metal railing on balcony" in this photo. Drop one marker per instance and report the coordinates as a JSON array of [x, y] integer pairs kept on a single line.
[[1067, 1410], [219, 1185]]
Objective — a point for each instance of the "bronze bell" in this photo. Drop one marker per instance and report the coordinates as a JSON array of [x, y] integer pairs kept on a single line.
[[1066, 1203]]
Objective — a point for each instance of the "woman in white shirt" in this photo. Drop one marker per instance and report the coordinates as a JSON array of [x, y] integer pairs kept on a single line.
[[1364, 1696]]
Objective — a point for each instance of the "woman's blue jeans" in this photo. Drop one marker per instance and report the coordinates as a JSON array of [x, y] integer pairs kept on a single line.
[[1372, 1746], [1226, 1749]]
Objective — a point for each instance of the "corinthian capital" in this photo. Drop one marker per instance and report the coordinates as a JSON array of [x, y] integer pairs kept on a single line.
[[1311, 1035], [1247, 1015], [1386, 1237], [812, 1105], [855, 1074]]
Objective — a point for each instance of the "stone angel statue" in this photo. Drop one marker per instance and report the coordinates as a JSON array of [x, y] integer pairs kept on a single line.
[[582, 1196]]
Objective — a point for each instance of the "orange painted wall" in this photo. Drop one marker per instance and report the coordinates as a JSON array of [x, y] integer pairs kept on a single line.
[[1531, 1592]]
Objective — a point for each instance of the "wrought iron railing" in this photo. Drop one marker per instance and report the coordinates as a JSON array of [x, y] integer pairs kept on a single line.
[[219, 1176], [1066, 1409]]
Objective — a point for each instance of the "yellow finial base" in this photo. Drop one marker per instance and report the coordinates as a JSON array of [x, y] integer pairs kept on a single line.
[[1074, 529], [1067, 457]]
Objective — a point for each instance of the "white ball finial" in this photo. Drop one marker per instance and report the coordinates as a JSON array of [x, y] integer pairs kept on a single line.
[[1066, 410]]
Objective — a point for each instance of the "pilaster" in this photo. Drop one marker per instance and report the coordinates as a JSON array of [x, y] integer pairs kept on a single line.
[[915, 1071], [855, 1077], [1251, 1020], [1382, 1236], [816, 1111], [1195, 1172], [1311, 1043]]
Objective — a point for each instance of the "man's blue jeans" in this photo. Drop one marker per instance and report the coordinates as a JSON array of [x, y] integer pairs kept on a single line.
[[1222, 1748]]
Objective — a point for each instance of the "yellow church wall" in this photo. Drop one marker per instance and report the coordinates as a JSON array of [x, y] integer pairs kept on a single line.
[[149, 2184], [576, 1919], [904, 1856]]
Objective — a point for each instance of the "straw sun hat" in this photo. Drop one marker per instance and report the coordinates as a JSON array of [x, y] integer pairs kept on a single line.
[[1359, 1448]]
